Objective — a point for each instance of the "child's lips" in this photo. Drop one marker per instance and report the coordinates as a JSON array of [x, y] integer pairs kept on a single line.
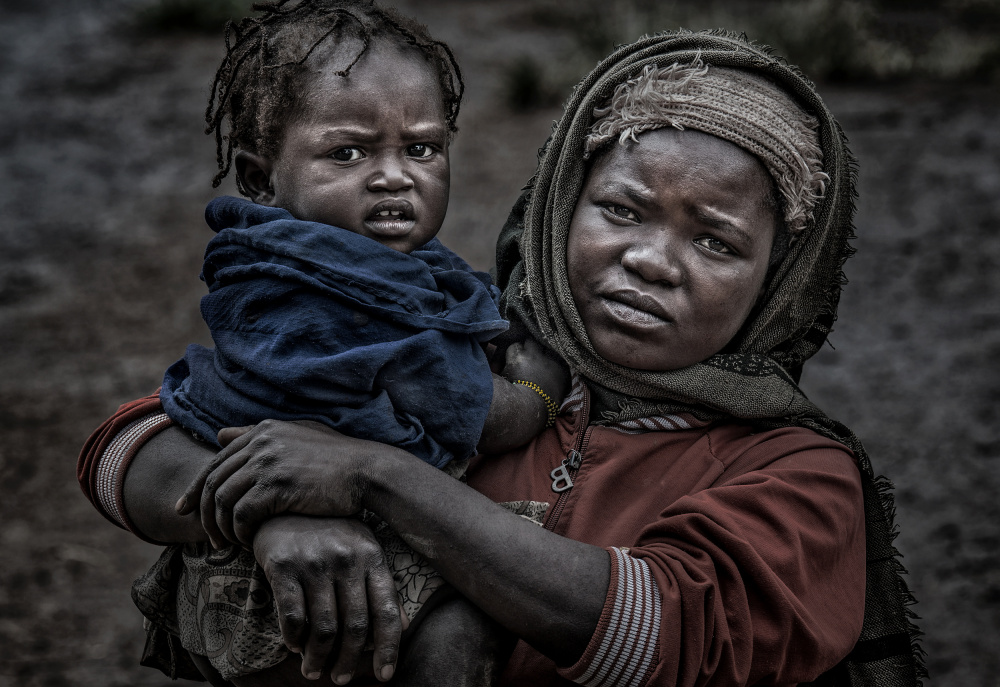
[[392, 217]]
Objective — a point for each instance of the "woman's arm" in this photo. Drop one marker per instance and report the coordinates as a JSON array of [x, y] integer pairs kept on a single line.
[[546, 589], [554, 603], [160, 471], [328, 574]]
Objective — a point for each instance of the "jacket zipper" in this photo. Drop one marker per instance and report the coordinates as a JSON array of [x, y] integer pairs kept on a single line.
[[562, 476]]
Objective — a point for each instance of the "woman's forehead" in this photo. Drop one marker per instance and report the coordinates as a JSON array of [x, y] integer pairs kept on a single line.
[[664, 157], [741, 106]]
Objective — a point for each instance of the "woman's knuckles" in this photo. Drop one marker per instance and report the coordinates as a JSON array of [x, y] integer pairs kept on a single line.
[[284, 567], [265, 427], [387, 612], [223, 497], [356, 627], [372, 556], [211, 484], [323, 630], [315, 566], [293, 619]]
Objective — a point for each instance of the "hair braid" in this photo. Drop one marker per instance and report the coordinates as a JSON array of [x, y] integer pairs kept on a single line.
[[254, 98]]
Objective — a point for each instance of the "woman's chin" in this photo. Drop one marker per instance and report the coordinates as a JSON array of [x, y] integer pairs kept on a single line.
[[624, 351]]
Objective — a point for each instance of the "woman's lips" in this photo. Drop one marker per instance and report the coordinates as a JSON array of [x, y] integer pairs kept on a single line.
[[635, 309]]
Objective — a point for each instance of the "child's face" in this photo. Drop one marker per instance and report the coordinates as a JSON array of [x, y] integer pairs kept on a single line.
[[668, 248], [368, 152]]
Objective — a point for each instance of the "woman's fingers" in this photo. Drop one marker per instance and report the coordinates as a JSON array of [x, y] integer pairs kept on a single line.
[[330, 585], [227, 435], [191, 497], [387, 620], [255, 504], [351, 598], [322, 626], [214, 513], [289, 600]]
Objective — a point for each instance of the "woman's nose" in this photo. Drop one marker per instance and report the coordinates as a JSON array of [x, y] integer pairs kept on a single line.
[[654, 262], [391, 176]]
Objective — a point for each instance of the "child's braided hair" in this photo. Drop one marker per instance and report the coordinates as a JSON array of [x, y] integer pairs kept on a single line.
[[257, 85]]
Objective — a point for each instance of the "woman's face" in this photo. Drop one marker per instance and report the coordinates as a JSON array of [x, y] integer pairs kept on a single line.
[[668, 247]]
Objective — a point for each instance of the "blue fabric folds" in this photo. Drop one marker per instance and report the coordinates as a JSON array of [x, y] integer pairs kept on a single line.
[[315, 322]]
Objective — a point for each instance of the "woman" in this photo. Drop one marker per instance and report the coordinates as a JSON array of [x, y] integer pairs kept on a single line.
[[680, 247]]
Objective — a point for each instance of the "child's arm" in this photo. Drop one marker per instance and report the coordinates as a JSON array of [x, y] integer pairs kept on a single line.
[[518, 412]]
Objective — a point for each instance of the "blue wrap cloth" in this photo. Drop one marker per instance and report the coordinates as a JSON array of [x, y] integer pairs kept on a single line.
[[314, 322]]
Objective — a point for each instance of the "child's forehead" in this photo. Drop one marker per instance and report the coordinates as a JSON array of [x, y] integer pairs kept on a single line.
[[348, 57], [385, 92], [382, 66]]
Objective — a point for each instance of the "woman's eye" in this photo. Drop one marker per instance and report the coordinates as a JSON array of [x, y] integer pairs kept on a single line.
[[419, 150], [347, 154], [713, 244], [622, 211]]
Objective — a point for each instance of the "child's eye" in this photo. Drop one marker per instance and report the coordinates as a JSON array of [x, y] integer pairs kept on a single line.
[[420, 150], [713, 244], [621, 211], [347, 154]]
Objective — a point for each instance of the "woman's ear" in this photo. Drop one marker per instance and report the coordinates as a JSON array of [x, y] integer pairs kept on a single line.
[[254, 173]]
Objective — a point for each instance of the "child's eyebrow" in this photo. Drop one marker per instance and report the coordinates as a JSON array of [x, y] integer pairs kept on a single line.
[[424, 132], [416, 132], [349, 133]]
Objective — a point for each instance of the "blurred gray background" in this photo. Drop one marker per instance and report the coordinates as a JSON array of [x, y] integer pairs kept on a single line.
[[104, 174]]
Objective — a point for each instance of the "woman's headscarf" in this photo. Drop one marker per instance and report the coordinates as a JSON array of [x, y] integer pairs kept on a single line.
[[754, 378]]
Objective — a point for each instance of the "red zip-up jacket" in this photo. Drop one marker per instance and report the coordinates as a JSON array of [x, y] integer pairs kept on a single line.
[[736, 557]]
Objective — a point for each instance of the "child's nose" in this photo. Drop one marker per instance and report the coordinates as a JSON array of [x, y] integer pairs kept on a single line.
[[391, 176], [655, 262]]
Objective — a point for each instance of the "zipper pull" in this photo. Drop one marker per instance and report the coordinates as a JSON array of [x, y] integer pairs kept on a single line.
[[573, 460], [561, 481]]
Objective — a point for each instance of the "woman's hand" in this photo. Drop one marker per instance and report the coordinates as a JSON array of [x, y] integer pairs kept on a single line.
[[329, 577], [277, 467]]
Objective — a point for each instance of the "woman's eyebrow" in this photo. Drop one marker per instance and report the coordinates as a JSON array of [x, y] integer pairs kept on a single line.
[[722, 223], [638, 195]]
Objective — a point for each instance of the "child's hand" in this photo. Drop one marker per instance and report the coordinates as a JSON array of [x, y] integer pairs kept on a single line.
[[530, 362]]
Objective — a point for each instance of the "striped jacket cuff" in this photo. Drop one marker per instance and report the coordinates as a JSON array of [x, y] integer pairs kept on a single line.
[[114, 462], [623, 650]]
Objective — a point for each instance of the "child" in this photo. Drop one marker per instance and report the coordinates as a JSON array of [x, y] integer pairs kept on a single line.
[[329, 297]]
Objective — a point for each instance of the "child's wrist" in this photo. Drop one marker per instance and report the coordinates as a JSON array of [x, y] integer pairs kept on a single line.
[[551, 407]]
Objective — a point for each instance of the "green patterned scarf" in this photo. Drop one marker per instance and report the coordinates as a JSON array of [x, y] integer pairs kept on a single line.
[[754, 378]]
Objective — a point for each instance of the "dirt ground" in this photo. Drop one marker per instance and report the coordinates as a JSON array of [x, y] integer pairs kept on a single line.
[[104, 174]]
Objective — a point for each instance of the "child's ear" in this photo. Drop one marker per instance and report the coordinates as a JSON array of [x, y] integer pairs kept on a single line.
[[254, 173]]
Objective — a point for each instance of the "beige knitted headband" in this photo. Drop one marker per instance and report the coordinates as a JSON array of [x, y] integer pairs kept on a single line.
[[739, 107]]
